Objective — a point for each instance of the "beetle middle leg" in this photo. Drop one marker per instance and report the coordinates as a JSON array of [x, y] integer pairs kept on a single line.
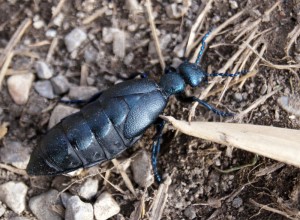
[[156, 148], [205, 104]]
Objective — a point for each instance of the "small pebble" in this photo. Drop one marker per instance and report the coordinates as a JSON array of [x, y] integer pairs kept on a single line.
[[15, 154], [233, 4], [19, 87], [119, 43], [237, 202], [105, 207], [60, 84], [44, 88], [128, 59], [74, 39], [164, 41], [172, 11], [82, 92], [60, 112], [51, 33], [38, 24], [58, 19], [142, 169], [88, 189], [291, 104], [238, 97], [78, 210], [216, 19], [190, 212], [90, 55], [43, 204], [264, 89], [108, 35], [43, 70], [13, 195]]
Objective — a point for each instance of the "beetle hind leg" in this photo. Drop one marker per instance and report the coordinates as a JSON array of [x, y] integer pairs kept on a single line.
[[156, 149]]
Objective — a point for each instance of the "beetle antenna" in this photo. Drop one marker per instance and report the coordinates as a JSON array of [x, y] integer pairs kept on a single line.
[[202, 47], [243, 72]]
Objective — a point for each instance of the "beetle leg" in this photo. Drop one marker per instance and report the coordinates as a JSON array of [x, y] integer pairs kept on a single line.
[[81, 101], [243, 72], [156, 149], [205, 104]]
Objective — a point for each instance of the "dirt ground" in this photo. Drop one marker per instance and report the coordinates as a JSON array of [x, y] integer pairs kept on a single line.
[[198, 190]]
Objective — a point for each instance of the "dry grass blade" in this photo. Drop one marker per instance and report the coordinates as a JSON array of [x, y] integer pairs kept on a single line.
[[14, 40], [13, 169], [196, 26], [289, 67], [5, 66], [58, 8], [160, 199], [293, 35], [154, 34], [124, 176], [51, 49], [255, 104], [280, 144], [267, 208], [218, 30], [98, 13]]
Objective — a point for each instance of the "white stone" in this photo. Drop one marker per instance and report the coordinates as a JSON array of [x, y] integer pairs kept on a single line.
[[74, 39], [13, 195], [105, 207], [19, 87], [58, 19], [78, 210], [88, 189]]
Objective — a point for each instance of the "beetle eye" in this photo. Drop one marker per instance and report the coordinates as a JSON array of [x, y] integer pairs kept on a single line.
[[170, 70]]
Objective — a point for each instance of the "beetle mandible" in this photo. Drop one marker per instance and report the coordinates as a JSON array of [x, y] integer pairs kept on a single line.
[[113, 122]]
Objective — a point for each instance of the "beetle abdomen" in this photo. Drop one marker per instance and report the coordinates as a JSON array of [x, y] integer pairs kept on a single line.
[[100, 131]]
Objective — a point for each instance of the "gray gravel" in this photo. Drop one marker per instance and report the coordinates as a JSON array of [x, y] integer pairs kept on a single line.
[[78, 210], [43, 70], [142, 169], [43, 204], [44, 88], [105, 207], [15, 154], [75, 38], [88, 189], [13, 195]]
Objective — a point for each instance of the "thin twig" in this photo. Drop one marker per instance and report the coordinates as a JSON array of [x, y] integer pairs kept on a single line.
[[154, 34], [196, 26], [13, 169], [58, 8], [98, 13], [267, 208]]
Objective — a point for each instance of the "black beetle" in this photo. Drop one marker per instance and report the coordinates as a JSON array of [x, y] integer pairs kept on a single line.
[[113, 122]]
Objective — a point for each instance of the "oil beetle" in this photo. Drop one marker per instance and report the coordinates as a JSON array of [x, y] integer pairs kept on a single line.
[[115, 120]]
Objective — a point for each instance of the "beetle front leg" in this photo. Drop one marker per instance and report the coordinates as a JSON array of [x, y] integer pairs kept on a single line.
[[156, 149], [205, 104]]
